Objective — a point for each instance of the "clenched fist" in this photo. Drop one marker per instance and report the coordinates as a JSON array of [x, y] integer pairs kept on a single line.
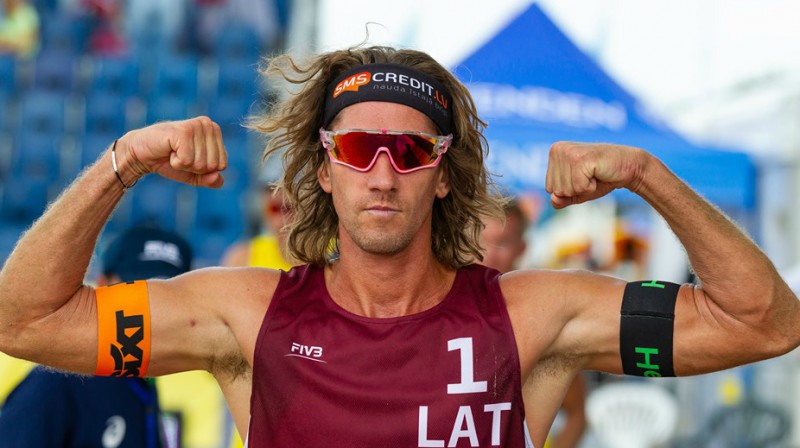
[[189, 151], [580, 172]]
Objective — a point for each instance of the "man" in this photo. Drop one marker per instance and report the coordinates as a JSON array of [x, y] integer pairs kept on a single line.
[[399, 338], [504, 243], [56, 409], [19, 29], [503, 240]]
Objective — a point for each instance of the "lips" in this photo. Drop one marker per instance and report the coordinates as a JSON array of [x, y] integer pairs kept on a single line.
[[382, 208]]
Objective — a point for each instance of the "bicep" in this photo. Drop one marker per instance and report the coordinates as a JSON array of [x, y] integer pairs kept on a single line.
[[702, 337], [208, 316], [190, 322]]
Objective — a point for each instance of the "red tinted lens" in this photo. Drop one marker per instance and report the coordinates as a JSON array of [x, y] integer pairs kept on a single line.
[[408, 151]]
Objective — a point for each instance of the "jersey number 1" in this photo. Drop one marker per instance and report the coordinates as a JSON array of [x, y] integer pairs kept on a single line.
[[467, 385]]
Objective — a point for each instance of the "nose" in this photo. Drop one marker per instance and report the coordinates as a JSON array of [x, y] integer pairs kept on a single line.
[[382, 176]]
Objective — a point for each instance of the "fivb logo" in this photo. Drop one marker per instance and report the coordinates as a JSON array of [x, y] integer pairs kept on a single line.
[[310, 352], [352, 83]]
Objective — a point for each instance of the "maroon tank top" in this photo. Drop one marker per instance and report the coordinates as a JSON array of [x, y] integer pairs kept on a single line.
[[448, 376]]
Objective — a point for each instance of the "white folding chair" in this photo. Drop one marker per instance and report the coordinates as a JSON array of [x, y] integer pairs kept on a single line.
[[632, 414]]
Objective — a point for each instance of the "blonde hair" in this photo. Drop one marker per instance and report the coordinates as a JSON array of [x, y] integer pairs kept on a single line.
[[292, 127]]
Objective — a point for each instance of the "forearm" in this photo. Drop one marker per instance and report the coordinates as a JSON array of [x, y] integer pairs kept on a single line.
[[48, 265]]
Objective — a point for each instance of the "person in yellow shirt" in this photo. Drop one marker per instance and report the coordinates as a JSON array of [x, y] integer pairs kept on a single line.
[[12, 371], [19, 29]]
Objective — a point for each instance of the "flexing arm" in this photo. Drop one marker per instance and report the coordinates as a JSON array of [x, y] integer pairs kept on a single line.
[[743, 312], [47, 314]]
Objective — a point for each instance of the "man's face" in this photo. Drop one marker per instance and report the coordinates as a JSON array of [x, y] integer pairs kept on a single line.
[[381, 211], [276, 211], [502, 245]]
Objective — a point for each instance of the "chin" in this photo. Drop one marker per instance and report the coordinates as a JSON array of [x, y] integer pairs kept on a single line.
[[382, 244]]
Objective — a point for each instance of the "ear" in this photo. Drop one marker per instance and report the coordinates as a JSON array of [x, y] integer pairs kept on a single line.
[[443, 183], [324, 176]]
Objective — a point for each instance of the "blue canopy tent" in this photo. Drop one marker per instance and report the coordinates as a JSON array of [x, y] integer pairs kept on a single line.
[[534, 87]]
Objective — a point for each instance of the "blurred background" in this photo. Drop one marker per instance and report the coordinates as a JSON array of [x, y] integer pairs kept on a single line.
[[710, 87]]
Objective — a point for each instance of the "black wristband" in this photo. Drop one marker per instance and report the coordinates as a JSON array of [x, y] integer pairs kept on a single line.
[[646, 328]]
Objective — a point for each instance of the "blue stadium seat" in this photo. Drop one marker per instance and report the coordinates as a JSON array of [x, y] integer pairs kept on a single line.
[[64, 34], [9, 234], [219, 210], [43, 113], [24, 199], [230, 114], [116, 75], [8, 74], [154, 200], [237, 43], [55, 71], [243, 161], [167, 108], [218, 223], [238, 79], [209, 246], [92, 145], [8, 115], [176, 76], [37, 156], [105, 114]]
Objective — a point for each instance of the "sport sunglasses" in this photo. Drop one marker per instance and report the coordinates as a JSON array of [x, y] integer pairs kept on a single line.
[[408, 151]]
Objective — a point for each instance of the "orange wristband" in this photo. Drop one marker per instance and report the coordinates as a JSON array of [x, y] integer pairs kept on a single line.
[[123, 329]]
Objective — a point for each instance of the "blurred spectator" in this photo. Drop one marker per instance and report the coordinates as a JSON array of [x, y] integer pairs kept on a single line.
[[107, 37], [268, 248], [630, 255], [19, 29], [503, 246], [156, 23], [213, 17], [54, 409], [576, 254]]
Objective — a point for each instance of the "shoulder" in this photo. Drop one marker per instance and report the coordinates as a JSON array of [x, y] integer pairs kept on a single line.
[[555, 286], [228, 292], [211, 284]]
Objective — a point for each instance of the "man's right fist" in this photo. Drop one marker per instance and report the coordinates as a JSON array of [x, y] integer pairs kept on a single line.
[[188, 151]]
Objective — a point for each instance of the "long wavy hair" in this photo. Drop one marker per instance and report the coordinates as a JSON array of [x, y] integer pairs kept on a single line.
[[292, 124]]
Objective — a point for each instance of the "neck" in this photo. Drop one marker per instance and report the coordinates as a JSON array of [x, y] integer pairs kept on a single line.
[[383, 286]]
